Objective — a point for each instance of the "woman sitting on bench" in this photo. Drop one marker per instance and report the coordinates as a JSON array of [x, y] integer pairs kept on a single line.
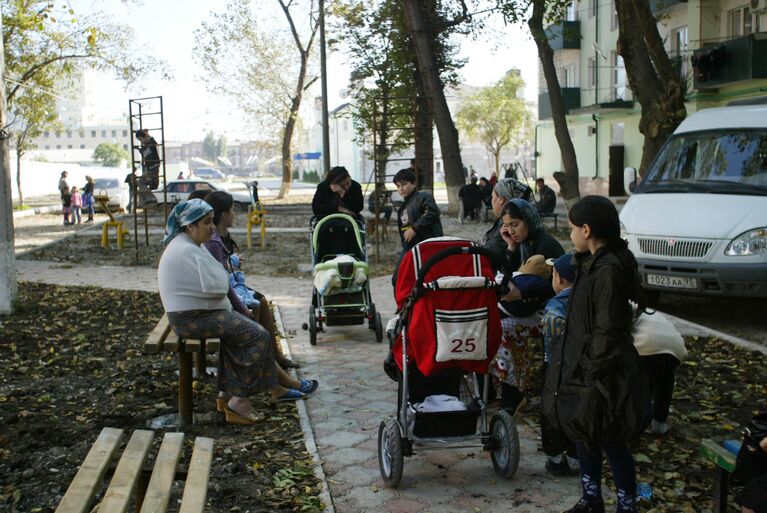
[[193, 289], [223, 248]]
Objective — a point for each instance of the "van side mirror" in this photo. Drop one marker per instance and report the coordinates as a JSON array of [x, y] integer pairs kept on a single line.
[[629, 179]]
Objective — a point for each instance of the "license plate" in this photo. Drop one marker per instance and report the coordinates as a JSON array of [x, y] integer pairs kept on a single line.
[[672, 282]]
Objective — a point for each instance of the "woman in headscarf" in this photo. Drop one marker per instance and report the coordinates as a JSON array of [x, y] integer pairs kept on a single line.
[[193, 289], [523, 233], [338, 193]]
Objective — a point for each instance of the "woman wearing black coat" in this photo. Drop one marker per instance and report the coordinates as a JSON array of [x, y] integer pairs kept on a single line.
[[594, 390], [337, 194]]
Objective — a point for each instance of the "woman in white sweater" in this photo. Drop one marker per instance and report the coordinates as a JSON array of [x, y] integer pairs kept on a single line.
[[193, 288]]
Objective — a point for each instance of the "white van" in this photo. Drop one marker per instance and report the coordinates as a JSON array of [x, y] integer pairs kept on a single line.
[[697, 222]]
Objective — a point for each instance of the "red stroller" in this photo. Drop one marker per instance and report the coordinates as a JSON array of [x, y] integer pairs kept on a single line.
[[448, 330]]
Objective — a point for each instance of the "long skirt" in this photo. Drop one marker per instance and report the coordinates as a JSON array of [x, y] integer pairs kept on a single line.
[[246, 358], [511, 364]]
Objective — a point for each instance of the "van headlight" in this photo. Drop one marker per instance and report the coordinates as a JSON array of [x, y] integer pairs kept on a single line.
[[753, 242], [624, 232]]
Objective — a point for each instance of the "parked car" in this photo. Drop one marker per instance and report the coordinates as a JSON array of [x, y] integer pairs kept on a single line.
[[697, 222], [115, 188], [209, 173], [179, 190]]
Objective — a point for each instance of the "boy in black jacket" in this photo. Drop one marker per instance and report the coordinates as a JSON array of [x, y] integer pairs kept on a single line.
[[418, 217]]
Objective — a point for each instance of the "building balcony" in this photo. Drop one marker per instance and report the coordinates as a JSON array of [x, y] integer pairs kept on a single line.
[[565, 35], [571, 97], [736, 60]]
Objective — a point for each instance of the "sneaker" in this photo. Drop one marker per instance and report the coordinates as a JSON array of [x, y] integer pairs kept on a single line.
[[594, 505], [658, 428]]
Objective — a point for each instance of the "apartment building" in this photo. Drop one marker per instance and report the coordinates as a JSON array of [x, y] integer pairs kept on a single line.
[[719, 46]]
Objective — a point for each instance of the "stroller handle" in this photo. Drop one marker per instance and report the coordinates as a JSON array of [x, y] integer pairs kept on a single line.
[[445, 253]]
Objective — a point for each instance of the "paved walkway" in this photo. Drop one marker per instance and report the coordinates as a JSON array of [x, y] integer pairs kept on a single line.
[[355, 395]]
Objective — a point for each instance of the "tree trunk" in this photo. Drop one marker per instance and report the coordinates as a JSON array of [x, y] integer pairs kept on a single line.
[[568, 181], [424, 137], [19, 154], [658, 88], [8, 288], [497, 157], [423, 35], [290, 125]]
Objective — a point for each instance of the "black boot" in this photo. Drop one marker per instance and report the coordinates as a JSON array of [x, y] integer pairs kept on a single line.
[[591, 505]]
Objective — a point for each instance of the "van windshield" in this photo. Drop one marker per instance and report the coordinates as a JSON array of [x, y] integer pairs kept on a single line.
[[715, 162]]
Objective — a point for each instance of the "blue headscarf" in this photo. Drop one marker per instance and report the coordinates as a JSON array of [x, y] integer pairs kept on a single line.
[[184, 214]]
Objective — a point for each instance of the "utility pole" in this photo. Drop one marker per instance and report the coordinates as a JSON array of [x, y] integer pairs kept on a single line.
[[324, 81], [7, 257]]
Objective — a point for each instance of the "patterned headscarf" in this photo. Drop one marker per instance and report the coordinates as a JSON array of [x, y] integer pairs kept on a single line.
[[184, 214], [510, 188]]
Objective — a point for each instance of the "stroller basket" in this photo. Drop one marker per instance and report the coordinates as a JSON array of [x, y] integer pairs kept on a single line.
[[446, 423]]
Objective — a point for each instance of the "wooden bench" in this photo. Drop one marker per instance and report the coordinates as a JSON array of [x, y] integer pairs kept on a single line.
[[163, 339], [150, 488], [723, 456], [552, 215]]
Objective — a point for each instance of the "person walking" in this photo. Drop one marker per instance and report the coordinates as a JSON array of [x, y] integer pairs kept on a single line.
[[595, 392], [88, 202]]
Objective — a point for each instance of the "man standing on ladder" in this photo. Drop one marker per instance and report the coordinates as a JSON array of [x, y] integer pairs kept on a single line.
[[150, 175]]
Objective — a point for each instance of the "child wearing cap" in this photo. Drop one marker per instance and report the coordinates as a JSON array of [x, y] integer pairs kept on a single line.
[[562, 458]]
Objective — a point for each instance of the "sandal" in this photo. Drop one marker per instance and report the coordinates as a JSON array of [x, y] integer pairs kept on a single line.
[[291, 395], [232, 417], [308, 386]]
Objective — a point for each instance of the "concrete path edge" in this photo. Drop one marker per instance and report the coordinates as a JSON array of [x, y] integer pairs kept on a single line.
[[685, 325], [306, 425]]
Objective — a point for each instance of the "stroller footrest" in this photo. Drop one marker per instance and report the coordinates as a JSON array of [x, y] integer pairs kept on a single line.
[[445, 423]]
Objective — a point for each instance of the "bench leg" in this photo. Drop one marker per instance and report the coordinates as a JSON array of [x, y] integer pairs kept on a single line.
[[200, 364], [185, 387], [721, 477], [141, 486]]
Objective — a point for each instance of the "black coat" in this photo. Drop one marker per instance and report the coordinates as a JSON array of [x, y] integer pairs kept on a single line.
[[326, 202], [548, 201], [594, 390], [471, 195], [419, 212]]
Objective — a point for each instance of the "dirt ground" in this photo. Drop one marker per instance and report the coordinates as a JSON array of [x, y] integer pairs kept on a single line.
[[72, 364]]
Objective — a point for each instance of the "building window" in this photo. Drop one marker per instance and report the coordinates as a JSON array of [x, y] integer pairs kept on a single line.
[[569, 76], [69, 133], [82, 146], [616, 134], [592, 8], [619, 77], [125, 133], [93, 133], [46, 134], [47, 147], [114, 133], [614, 20], [58, 146], [592, 70], [740, 21], [572, 12], [58, 135], [103, 133], [69, 146], [125, 146]]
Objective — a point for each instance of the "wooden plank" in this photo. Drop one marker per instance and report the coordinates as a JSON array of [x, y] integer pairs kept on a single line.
[[124, 481], [196, 488], [212, 345], [158, 492], [192, 345], [173, 344], [88, 478], [158, 335], [714, 452]]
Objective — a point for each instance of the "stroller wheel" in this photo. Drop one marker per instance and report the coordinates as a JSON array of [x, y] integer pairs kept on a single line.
[[378, 328], [505, 451], [312, 326], [372, 320], [390, 451]]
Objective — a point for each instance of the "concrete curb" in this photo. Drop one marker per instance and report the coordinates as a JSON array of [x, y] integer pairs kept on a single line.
[[306, 425], [692, 328], [37, 210]]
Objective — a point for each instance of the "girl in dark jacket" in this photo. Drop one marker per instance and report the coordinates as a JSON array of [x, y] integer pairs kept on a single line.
[[594, 390], [337, 194]]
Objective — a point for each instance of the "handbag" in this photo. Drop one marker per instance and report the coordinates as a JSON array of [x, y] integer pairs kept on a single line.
[[751, 461]]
